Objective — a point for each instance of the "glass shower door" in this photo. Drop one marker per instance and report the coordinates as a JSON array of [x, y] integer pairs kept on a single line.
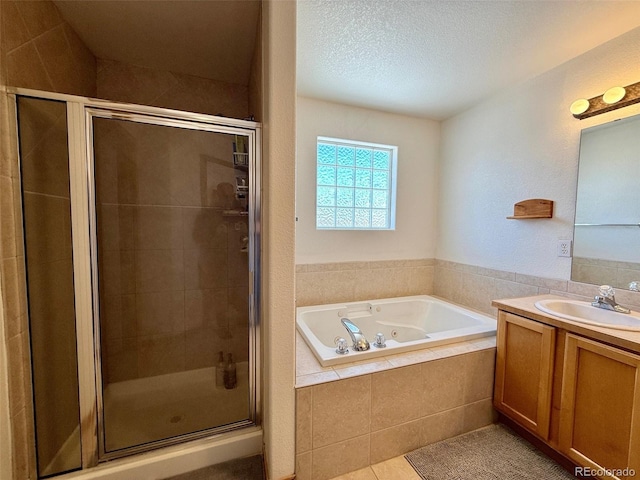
[[172, 238], [46, 199]]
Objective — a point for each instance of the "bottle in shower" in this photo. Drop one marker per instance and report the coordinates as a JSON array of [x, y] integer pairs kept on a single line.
[[230, 379], [220, 369]]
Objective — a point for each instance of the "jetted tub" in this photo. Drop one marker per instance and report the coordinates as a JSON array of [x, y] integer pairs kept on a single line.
[[407, 323]]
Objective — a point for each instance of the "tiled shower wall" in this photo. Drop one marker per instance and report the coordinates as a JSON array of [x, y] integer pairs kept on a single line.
[[145, 86], [174, 278], [47, 218], [180, 325], [43, 52], [39, 50]]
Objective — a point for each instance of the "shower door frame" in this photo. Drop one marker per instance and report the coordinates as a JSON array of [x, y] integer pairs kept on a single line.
[[80, 114]]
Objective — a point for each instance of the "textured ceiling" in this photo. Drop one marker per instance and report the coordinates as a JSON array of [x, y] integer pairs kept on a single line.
[[207, 38], [437, 58], [429, 58]]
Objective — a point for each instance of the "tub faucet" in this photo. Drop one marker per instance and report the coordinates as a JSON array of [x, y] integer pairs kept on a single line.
[[607, 300], [360, 343]]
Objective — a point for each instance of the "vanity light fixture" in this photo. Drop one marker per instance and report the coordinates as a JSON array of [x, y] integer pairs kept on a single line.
[[612, 99]]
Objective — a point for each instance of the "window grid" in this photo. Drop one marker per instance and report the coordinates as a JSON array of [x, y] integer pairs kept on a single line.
[[354, 185]]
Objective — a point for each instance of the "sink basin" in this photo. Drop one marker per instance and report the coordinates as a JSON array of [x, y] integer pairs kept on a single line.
[[584, 312]]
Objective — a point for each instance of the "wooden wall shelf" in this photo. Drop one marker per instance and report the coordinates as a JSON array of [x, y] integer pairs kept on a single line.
[[532, 208]]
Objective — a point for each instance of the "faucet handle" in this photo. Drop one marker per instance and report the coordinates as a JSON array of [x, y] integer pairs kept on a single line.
[[607, 291], [342, 345], [634, 286], [380, 341]]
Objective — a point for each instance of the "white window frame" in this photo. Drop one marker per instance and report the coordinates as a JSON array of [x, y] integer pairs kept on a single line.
[[391, 190]]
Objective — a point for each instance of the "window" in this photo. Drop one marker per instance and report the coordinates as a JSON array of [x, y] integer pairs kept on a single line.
[[355, 185]]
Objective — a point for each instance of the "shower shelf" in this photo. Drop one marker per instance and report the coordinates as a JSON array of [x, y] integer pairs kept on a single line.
[[234, 213]]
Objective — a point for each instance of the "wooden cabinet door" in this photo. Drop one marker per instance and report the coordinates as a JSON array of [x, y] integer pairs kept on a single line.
[[600, 406], [524, 372]]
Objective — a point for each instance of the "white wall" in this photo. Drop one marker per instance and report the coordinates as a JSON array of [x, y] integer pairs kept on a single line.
[[278, 235], [520, 144], [418, 147]]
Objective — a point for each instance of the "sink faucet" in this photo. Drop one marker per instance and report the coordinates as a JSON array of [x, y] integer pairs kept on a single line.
[[607, 300], [360, 343]]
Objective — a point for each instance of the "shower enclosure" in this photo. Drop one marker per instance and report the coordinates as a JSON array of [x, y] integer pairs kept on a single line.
[[142, 248]]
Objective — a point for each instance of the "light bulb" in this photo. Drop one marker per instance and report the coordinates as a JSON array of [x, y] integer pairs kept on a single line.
[[579, 106], [613, 95]]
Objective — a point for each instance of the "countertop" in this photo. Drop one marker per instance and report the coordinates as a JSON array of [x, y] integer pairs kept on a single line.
[[525, 308]]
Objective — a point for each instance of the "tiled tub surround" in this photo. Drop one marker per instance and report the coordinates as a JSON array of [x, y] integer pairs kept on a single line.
[[468, 285], [597, 270], [475, 287], [324, 283], [354, 415]]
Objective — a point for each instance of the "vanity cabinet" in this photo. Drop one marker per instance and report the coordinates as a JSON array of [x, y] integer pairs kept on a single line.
[[524, 371], [579, 395], [600, 405]]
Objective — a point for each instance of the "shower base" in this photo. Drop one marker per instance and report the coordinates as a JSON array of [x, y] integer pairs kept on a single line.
[[146, 410]]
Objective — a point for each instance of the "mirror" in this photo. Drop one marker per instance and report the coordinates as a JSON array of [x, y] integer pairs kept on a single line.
[[607, 223]]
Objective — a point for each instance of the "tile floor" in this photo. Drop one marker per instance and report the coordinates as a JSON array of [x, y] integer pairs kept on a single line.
[[393, 469]]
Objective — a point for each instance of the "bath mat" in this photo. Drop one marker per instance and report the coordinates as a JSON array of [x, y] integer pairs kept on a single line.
[[490, 453]]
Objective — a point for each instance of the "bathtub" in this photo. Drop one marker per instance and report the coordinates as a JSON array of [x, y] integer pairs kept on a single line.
[[407, 323]]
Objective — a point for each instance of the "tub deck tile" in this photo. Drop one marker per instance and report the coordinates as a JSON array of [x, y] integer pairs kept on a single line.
[[412, 358], [361, 368], [310, 372], [316, 378], [306, 362]]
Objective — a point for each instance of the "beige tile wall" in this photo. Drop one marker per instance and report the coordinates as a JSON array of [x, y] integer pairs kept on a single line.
[[174, 282], [476, 287], [37, 50], [177, 277], [255, 77], [598, 271], [324, 283], [145, 86], [47, 213], [386, 417], [12, 276], [348, 424], [43, 52]]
